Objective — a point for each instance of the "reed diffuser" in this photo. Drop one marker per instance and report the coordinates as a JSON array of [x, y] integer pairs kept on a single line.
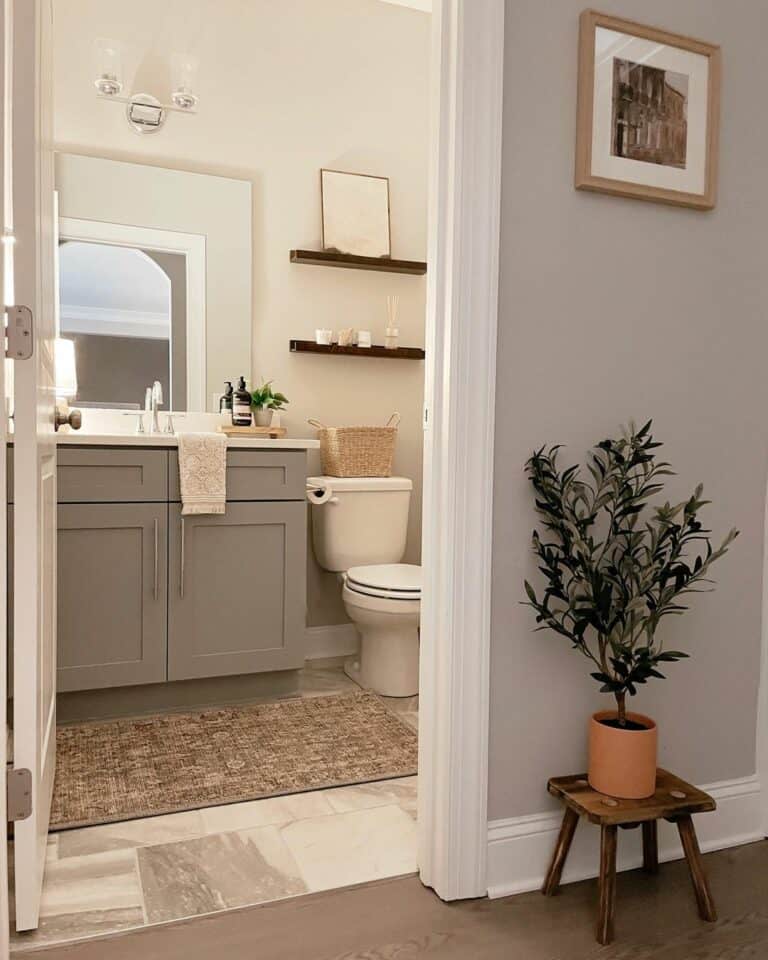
[[392, 333]]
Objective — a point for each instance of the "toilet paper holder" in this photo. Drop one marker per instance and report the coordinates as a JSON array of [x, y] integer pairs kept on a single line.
[[319, 495]]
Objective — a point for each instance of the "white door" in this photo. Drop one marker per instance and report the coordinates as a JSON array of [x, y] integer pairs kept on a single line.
[[6, 286], [34, 512]]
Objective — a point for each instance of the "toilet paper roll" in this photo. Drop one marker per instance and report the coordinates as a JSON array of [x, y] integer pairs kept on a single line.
[[319, 495]]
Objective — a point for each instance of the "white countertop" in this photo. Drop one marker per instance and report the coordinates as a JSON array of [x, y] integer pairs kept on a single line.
[[82, 439]]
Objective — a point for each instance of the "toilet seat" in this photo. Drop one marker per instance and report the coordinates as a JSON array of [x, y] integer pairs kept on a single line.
[[389, 581]]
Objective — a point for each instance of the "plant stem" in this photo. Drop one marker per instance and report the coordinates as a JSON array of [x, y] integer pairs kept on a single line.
[[621, 698]]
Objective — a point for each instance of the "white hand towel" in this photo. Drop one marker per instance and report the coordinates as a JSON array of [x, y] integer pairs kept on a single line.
[[203, 472]]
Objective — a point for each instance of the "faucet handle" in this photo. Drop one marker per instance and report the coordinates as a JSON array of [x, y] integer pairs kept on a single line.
[[140, 420], [169, 427]]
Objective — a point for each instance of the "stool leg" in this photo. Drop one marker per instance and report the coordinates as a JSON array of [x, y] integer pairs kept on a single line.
[[698, 877], [567, 830], [650, 847], [607, 884]]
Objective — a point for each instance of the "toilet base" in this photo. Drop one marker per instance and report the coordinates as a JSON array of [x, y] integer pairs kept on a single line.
[[387, 664], [389, 643]]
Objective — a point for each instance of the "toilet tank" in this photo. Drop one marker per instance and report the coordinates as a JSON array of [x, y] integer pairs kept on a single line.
[[365, 521]]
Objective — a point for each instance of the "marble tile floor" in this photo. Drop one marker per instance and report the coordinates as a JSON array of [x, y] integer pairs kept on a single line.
[[120, 876], [325, 677]]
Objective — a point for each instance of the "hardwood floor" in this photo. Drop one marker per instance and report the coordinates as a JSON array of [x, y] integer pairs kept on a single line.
[[401, 920]]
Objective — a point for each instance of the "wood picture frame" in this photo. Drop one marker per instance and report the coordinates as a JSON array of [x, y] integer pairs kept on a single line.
[[648, 121], [355, 213]]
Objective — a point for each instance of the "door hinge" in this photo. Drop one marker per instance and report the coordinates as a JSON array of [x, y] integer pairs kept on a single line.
[[19, 333], [19, 793]]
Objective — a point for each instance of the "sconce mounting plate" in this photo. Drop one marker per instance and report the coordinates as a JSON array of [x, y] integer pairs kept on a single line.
[[145, 113]]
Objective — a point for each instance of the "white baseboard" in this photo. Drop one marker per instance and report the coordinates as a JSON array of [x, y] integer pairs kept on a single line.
[[519, 849], [333, 640]]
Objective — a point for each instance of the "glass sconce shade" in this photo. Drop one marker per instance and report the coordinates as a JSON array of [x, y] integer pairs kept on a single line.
[[66, 369], [108, 67], [184, 74]]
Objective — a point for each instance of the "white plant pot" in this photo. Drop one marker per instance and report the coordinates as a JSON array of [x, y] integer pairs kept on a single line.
[[262, 417]]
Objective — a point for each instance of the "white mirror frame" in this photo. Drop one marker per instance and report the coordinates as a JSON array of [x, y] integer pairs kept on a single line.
[[189, 245]]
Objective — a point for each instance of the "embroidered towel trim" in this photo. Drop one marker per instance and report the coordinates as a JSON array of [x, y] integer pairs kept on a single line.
[[203, 472]]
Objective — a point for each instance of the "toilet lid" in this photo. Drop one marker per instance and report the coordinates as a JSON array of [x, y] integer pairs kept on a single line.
[[398, 581]]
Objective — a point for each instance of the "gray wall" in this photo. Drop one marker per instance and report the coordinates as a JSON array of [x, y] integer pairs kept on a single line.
[[610, 309], [118, 369]]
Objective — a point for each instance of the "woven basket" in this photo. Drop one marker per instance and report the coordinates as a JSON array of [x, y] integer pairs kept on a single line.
[[357, 451]]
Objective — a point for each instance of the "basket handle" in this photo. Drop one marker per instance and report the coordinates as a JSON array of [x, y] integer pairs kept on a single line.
[[394, 420], [316, 424]]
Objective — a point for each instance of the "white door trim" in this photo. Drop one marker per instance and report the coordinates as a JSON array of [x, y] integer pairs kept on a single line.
[[462, 306], [190, 245], [7, 294]]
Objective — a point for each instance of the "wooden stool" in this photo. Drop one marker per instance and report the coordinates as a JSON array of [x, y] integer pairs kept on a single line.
[[674, 800]]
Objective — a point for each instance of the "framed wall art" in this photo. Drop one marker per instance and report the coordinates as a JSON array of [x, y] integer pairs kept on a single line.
[[648, 112], [355, 213]]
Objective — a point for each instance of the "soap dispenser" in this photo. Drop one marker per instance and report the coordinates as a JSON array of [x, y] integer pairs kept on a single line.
[[225, 401], [241, 405]]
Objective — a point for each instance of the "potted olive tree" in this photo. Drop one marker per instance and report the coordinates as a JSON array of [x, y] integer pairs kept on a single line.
[[615, 566]]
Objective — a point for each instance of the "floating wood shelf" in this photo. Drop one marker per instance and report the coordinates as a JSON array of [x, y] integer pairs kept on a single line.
[[327, 258], [400, 353]]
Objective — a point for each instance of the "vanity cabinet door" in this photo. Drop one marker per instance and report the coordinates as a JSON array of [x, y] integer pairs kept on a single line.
[[237, 590], [112, 594]]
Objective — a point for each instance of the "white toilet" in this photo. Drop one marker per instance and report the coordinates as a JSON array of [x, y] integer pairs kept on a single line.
[[359, 527]]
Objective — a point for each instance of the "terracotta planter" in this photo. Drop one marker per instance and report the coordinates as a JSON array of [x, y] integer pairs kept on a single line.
[[622, 763]]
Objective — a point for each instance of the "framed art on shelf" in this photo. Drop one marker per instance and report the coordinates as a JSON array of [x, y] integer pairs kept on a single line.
[[648, 113], [355, 209]]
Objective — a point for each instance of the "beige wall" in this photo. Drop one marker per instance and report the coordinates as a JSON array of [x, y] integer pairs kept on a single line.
[[611, 309], [285, 88]]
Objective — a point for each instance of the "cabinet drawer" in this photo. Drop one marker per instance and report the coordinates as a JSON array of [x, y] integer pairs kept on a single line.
[[256, 475], [124, 475]]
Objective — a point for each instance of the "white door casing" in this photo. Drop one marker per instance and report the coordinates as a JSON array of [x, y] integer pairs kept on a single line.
[[464, 221], [462, 307], [34, 586]]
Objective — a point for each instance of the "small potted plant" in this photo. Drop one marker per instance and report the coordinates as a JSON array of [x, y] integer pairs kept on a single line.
[[615, 566], [264, 401]]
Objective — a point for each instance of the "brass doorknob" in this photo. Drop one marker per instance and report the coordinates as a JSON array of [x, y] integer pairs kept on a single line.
[[74, 419]]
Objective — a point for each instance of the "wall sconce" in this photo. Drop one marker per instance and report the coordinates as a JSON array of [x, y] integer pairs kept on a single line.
[[145, 113]]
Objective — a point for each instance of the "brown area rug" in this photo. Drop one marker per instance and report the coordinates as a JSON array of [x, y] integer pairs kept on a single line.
[[121, 769]]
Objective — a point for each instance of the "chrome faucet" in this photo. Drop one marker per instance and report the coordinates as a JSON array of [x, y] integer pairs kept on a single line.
[[152, 401]]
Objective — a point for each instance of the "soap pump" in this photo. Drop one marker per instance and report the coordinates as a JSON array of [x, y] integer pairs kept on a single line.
[[241, 405], [225, 401]]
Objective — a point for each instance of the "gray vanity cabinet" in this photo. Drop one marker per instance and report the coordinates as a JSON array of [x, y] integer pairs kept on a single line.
[[146, 596], [112, 594], [237, 584]]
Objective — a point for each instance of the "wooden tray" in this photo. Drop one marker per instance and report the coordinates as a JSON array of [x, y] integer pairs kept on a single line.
[[271, 432]]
